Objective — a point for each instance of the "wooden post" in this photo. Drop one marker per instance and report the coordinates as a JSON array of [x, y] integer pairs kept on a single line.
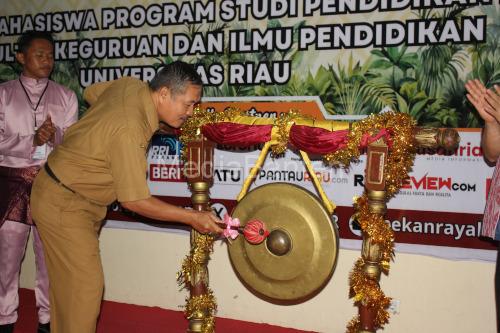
[[198, 170], [375, 186], [377, 155]]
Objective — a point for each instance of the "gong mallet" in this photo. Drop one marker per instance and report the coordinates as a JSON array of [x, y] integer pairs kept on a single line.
[[254, 231]]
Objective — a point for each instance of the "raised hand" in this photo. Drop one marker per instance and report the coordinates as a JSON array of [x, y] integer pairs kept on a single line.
[[482, 99], [44, 133], [492, 105]]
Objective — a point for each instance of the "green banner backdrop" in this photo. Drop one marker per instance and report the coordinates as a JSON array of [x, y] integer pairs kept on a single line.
[[358, 56]]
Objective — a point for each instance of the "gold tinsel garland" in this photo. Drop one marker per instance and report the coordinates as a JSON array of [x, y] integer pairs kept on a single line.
[[402, 152], [375, 228], [364, 290], [284, 122], [367, 292], [194, 265], [205, 304], [191, 129]]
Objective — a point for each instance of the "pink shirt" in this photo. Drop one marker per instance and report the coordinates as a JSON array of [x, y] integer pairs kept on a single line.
[[17, 117], [492, 210]]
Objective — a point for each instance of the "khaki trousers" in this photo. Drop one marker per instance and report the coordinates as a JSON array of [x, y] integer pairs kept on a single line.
[[69, 225]]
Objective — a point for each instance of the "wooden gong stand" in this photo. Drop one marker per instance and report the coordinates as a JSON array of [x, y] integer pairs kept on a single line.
[[199, 174]]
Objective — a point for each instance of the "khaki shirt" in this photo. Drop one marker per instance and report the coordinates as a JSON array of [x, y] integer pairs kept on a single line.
[[103, 155]]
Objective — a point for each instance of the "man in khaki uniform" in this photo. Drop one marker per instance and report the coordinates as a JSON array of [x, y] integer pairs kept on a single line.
[[103, 159]]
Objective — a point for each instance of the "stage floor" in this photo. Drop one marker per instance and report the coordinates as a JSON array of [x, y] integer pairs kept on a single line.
[[127, 318]]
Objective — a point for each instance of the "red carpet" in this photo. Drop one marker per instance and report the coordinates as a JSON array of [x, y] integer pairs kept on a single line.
[[127, 318]]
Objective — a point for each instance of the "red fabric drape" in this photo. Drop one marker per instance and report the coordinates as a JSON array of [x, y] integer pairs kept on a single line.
[[238, 135], [321, 141], [313, 140], [316, 140]]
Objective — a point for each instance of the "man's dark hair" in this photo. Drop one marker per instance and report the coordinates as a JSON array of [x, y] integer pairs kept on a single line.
[[24, 42], [176, 76]]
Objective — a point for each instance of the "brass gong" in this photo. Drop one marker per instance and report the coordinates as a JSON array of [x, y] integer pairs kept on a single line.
[[298, 257]]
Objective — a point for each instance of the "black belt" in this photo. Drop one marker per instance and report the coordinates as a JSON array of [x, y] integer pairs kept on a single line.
[[53, 176]]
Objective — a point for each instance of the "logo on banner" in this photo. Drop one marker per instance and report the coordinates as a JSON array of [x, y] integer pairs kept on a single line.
[[324, 176], [446, 227], [427, 183], [165, 148], [469, 152], [166, 173], [164, 157], [229, 148], [219, 209], [228, 175], [433, 183], [354, 227]]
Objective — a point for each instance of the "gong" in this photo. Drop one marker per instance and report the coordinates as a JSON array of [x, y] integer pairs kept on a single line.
[[299, 255]]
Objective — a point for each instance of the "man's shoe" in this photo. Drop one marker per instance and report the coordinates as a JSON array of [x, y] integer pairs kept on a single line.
[[43, 328], [8, 328]]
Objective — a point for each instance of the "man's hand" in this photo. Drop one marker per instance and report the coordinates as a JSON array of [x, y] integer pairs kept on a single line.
[[207, 223], [203, 221], [45, 133]]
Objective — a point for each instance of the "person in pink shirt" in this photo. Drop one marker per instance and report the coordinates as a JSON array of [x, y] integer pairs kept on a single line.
[[34, 113], [487, 104]]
